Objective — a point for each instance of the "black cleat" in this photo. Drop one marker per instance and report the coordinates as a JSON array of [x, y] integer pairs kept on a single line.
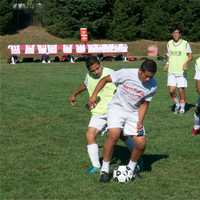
[[136, 174], [104, 177]]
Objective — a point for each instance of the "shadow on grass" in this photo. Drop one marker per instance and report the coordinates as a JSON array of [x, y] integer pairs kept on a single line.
[[121, 156], [188, 106]]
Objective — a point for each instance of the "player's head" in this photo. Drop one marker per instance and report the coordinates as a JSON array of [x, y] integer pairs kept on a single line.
[[147, 70], [94, 67], [176, 33]]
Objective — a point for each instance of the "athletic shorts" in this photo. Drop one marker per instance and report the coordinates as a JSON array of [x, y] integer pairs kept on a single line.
[[178, 81], [127, 121], [197, 74], [99, 122]]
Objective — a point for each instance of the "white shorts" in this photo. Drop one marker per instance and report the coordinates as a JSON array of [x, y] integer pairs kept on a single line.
[[99, 122], [178, 81], [197, 74], [118, 118]]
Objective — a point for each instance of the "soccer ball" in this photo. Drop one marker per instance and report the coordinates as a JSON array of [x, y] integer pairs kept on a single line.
[[122, 174]]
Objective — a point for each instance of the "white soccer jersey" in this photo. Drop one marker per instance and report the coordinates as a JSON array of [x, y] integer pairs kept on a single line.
[[131, 92]]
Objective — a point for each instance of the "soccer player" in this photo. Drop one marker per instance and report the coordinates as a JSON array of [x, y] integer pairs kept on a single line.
[[127, 109], [179, 55], [98, 121], [196, 127]]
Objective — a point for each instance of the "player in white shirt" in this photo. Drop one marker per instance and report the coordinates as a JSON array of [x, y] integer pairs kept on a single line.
[[127, 109], [196, 127]]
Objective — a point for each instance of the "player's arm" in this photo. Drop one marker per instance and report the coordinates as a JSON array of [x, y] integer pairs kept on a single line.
[[185, 65], [141, 114], [72, 98], [189, 55], [166, 66], [92, 100]]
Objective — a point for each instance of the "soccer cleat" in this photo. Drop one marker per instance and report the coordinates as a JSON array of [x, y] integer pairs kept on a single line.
[[195, 131], [136, 173], [176, 109], [93, 170], [104, 177]]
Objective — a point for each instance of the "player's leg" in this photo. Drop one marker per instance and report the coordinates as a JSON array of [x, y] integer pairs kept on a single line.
[[171, 83], [139, 147], [182, 85], [128, 141], [196, 127], [115, 122], [92, 147], [96, 124], [111, 140], [130, 129], [182, 99]]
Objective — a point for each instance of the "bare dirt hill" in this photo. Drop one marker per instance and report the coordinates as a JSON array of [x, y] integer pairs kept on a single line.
[[37, 34]]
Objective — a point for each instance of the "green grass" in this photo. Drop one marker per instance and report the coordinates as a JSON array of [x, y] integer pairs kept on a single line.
[[43, 152]]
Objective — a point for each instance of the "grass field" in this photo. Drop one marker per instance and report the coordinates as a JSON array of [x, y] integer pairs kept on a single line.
[[42, 140]]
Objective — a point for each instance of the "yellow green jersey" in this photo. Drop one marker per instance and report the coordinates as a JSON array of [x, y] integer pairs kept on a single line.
[[104, 96], [178, 55]]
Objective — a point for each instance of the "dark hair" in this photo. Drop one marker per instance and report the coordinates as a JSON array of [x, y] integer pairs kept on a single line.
[[149, 65], [176, 27], [91, 60]]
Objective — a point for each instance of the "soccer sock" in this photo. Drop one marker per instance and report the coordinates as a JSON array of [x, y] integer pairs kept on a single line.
[[182, 105], [196, 122], [93, 152], [176, 101], [105, 166], [132, 165], [129, 142]]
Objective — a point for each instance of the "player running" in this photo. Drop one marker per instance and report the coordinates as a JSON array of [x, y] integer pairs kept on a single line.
[[126, 111]]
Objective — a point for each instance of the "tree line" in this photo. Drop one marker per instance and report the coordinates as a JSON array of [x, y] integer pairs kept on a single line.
[[121, 20]]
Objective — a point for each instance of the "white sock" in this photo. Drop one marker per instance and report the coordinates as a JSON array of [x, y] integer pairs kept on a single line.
[[176, 101], [132, 165], [105, 166], [129, 142], [182, 105], [93, 152], [196, 122]]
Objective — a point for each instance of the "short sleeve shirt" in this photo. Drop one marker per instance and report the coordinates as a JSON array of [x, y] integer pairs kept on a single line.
[[131, 91]]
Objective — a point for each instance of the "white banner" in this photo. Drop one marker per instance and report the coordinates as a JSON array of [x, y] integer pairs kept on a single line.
[[52, 48], [42, 48], [29, 49], [80, 48], [14, 49], [107, 48], [67, 48]]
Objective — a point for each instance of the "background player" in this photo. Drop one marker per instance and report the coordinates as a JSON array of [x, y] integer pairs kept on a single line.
[[179, 54]]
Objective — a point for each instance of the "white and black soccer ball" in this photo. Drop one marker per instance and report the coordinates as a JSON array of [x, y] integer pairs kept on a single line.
[[122, 174]]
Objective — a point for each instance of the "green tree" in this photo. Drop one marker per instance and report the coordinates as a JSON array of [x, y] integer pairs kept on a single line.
[[66, 17], [123, 26], [6, 16]]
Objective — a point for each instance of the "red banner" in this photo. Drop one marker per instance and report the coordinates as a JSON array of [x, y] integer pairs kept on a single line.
[[84, 35]]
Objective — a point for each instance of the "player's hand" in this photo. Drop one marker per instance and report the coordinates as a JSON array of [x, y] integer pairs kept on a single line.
[[91, 103], [140, 125], [72, 100]]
